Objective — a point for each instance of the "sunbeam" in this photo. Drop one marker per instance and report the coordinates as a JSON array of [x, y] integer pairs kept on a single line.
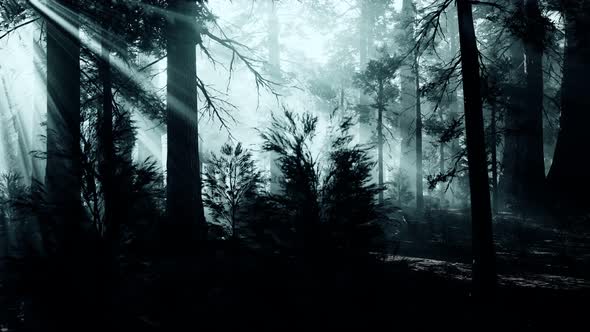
[[63, 17], [170, 165]]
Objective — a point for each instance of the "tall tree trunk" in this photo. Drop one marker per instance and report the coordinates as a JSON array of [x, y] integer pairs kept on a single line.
[[408, 103], [363, 40], [484, 274], [451, 32], [380, 108], [364, 107], [370, 19], [400, 175], [106, 140], [441, 158], [184, 204], [419, 166], [455, 105], [568, 178], [39, 103], [493, 147], [274, 59], [366, 53], [63, 169], [125, 140], [524, 168], [186, 230], [534, 80], [63, 175]]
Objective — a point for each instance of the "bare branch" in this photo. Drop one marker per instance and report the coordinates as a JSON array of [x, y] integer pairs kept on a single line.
[[9, 31]]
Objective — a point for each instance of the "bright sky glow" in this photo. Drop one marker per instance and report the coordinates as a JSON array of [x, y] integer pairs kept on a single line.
[[301, 45]]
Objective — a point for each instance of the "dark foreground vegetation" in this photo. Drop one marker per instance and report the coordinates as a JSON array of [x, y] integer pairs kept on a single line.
[[429, 175], [254, 289]]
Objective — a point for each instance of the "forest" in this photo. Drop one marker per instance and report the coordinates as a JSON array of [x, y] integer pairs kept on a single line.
[[180, 165]]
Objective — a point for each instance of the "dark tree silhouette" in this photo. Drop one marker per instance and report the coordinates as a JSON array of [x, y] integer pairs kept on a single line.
[[568, 180], [523, 160], [484, 275], [230, 179], [63, 119], [408, 97], [183, 205], [274, 61], [105, 130]]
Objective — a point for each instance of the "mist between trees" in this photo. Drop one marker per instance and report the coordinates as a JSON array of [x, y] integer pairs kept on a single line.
[[162, 159]]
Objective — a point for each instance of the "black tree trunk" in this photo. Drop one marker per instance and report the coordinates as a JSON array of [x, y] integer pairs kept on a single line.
[[419, 166], [494, 155], [484, 275], [68, 289], [184, 205], [106, 140], [568, 180], [380, 109], [63, 169], [523, 160], [183, 271]]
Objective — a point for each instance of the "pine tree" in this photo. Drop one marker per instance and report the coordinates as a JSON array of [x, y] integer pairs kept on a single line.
[[377, 81]]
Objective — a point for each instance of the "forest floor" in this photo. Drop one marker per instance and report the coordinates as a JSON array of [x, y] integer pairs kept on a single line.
[[543, 274], [543, 282], [557, 255]]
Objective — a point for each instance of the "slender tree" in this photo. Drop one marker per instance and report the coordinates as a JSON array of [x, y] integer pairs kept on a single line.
[[441, 156], [274, 59], [39, 102], [376, 81], [411, 101], [454, 103], [408, 97], [231, 178], [448, 114], [380, 110], [494, 157], [419, 165], [366, 53], [106, 140], [484, 276]]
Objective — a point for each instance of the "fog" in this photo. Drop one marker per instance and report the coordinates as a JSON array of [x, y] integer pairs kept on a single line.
[[306, 40], [170, 164]]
